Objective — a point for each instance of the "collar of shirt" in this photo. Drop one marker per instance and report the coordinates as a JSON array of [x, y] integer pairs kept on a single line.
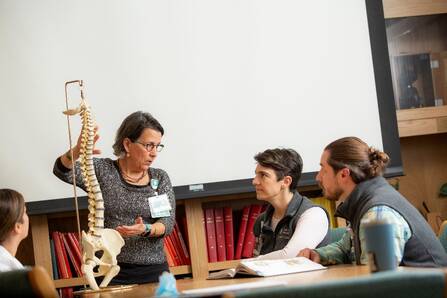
[[7, 261]]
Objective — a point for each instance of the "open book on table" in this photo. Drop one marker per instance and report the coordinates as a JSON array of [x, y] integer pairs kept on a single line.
[[268, 267]]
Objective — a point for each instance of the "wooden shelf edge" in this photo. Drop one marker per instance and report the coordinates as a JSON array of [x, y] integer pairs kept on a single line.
[[223, 265], [411, 8], [421, 113], [70, 282], [423, 121], [79, 281], [184, 269], [416, 134]]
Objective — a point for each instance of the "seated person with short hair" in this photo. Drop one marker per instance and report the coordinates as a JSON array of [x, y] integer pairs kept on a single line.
[[291, 221]]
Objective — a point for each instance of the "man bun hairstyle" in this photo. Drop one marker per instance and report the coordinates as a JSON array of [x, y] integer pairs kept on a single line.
[[364, 162], [379, 161], [285, 162]]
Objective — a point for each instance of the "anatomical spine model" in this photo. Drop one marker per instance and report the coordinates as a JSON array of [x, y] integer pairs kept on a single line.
[[109, 241]]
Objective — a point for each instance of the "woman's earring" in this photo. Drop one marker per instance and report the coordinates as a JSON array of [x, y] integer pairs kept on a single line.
[[127, 154]]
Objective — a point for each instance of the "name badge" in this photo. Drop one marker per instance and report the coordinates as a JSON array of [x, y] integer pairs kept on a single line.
[[159, 206]]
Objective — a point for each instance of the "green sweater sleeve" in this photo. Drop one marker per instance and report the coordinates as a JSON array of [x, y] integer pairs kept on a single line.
[[336, 252]]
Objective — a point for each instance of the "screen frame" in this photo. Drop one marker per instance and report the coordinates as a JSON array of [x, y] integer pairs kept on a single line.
[[388, 124]]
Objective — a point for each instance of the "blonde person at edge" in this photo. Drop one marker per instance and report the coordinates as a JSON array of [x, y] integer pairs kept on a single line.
[[351, 172], [14, 224], [127, 185], [291, 221]]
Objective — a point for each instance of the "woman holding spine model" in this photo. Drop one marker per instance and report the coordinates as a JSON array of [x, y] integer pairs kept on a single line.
[[128, 184]]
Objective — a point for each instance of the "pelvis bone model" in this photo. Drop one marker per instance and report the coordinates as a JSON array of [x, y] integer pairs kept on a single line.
[[97, 238]]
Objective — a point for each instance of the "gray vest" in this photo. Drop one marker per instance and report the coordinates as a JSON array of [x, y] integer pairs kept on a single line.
[[423, 249], [268, 240]]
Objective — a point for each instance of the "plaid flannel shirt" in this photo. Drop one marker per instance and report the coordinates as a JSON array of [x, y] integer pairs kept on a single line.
[[342, 251]]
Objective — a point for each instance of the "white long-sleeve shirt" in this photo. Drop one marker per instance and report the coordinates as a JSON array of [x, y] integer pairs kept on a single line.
[[7, 261], [309, 232]]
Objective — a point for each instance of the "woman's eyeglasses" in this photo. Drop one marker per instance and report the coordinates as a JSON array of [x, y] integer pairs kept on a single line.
[[150, 146]]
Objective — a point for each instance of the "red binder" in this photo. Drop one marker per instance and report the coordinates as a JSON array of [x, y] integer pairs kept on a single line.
[[169, 258], [65, 254], [71, 254], [242, 230], [62, 261], [211, 235], [206, 237], [67, 292], [58, 249], [182, 245], [174, 254], [229, 239], [178, 248], [74, 244], [249, 242], [220, 234]]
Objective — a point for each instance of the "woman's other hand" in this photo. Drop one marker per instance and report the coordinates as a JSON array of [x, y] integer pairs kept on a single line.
[[134, 230]]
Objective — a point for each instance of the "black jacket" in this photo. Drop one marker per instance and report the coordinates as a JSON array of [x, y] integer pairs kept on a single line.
[[268, 240]]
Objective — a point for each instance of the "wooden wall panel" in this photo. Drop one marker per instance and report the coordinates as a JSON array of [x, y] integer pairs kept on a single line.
[[425, 166], [401, 8]]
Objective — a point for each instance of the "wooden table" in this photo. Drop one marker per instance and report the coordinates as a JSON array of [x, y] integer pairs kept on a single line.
[[332, 273]]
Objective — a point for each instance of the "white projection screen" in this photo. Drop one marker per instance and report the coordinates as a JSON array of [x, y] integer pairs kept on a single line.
[[226, 79]]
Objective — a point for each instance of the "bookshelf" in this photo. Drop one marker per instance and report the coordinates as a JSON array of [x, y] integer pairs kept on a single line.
[[41, 226], [222, 265], [419, 27], [422, 121]]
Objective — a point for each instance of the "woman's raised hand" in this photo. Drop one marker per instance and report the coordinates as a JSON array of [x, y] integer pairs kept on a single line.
[[77, 148], [67, 157]]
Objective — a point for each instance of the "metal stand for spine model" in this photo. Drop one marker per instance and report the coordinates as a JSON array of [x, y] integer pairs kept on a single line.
[[97, 238]]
